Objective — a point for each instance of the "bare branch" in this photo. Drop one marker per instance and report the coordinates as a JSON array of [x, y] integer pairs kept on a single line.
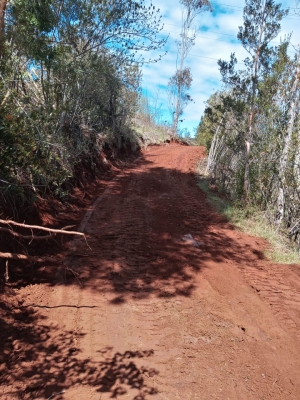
[[26, 237], [42, 228]]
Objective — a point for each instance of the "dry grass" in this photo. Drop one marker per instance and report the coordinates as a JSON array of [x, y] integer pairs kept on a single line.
[[251, 221], [281, 249], [151, 132]]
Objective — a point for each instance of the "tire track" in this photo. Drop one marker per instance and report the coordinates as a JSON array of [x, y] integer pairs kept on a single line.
[[278, 286]]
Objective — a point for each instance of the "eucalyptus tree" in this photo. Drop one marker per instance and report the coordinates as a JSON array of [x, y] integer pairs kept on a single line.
[[180, 83], [293, 100], [212, 119], [265, 97], [261, 25], [223, 123]]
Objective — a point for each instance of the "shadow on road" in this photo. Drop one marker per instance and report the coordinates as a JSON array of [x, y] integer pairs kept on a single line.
[[137, 236], [37, 361], [137, 249]]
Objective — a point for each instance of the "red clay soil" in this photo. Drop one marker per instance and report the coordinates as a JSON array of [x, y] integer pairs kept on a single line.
[[155, 314]]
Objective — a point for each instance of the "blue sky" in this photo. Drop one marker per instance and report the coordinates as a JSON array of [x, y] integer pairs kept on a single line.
[[216, 40]]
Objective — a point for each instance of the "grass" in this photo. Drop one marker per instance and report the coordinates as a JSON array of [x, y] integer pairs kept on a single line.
[[253, 222]]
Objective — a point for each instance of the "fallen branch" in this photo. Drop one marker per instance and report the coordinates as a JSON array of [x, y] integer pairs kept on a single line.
[[26, 237], [41, 228], [31, 237], [76, 275], [23, 257]]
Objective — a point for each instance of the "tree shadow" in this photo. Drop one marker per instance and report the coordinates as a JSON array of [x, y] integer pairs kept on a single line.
[[137, 249], [135, 233], [137, 237], [37, 360]]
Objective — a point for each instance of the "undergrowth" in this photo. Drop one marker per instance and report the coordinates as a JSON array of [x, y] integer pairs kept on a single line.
[[250, 221], [152, 133]]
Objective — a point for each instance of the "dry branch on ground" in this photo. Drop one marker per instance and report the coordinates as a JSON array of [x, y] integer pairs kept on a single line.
[[41, 228]]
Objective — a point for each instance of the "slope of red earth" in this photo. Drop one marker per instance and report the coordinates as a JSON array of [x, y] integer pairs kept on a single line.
[[170, 302]]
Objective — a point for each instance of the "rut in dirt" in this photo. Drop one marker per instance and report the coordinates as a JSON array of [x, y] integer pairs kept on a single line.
[[175, 303]]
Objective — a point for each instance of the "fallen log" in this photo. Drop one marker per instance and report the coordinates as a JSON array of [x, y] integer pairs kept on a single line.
[[41, 228]]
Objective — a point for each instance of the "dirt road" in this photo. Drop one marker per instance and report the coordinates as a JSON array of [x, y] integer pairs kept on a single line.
[[175, 303]]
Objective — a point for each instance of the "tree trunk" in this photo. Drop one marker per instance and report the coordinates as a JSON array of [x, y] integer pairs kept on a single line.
[[287, 144], [213, 147], [3, 4], [252, 111], [247, 168], [185, 48]]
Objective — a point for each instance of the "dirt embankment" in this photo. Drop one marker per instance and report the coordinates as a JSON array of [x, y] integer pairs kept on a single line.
[[173, 302]]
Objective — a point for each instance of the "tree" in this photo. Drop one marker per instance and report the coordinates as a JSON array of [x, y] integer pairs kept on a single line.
[[274, 167], [180, 82], [261, 25], [287, 140], [69, 81], [225, 116], [179, 98], [210, 120]]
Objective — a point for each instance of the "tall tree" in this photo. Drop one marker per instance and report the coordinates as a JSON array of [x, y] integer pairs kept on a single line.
[[180, 82], [261, 25]]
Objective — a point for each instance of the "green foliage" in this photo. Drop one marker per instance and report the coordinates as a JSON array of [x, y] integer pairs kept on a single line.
[[29, 26], [256, 111], [205, 133], [269, 125], [69, 83], [261, 25], [210, 120]]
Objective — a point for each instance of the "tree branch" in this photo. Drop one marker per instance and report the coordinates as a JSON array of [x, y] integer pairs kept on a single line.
[[25, 237], [42, 228]]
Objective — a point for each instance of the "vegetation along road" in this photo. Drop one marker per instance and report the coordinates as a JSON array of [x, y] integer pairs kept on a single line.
[[171, 302]]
